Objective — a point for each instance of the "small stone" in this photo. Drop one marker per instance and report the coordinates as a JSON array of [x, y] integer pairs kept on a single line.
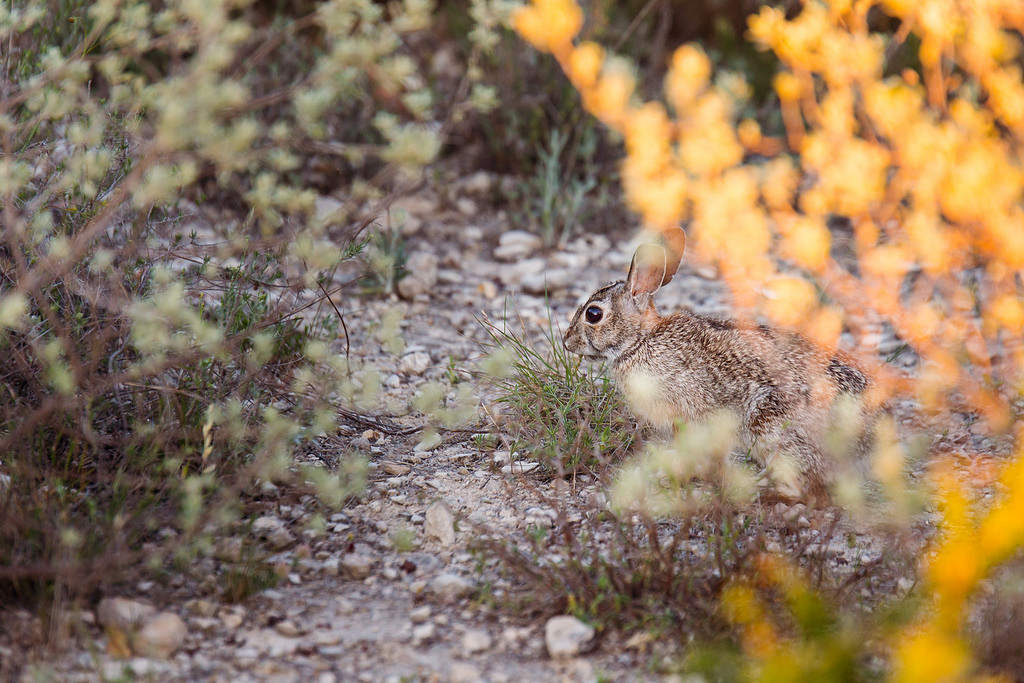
[[327, 209], [232, 618], [474, 641], [419, 204], [419, 614], [791, 513], [478, 183], [440, 523], [428, 443], [450, 587], [520, 467], [463, 672], [445, 63], [395, 469], [466, 206], [332, 566], [488, 289], [148, 668], [515, 245], [273, 531], [548, 282], [206, 624], [161, 635], [287, 628], [421, 269], [203, 608], [355, 566], [567, 636], [512, 635], [122, 613], [328, 637], [514, 273], [423, 633], [415, 363]]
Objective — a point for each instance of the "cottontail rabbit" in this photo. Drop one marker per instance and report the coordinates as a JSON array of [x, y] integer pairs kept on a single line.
[[788, 392]]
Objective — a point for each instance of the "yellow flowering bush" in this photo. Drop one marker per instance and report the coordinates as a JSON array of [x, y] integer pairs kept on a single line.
[[925, 167], [922, 163]]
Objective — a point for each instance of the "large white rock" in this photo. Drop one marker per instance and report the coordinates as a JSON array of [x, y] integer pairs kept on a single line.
[[451, 587], [440, 523], [421, 276], [475, 641], [567, 636], [122, 613], [515, 245], [161, 636]]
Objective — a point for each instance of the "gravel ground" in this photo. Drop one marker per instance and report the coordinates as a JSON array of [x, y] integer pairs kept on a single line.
[[352, 606]]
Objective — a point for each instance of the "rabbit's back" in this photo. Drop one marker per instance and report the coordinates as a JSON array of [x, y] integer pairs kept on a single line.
[[690, 365]]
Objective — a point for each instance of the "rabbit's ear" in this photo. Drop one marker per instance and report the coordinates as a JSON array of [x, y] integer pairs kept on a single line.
[[675, 245], [647, 271]]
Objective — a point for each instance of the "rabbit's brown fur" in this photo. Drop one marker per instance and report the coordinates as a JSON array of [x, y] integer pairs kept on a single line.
[[785, 389]]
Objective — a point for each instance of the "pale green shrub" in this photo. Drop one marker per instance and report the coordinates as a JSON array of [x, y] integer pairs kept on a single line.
[[154, 365]]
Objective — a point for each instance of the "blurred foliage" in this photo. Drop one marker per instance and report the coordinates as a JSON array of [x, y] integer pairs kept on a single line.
[[167, 258], [904, 122]]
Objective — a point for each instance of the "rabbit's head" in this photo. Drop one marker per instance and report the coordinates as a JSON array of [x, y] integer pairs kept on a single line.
[[618, 315]]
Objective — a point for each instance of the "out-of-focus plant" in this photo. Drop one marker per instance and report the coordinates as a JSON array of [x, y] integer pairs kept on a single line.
[[924, 165], [153, 362], [912, 135]]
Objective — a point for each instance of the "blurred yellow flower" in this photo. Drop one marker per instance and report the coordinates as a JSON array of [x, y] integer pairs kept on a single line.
[[767, 26], [778, 183], [548, 24], [932, 243], [687, 76], [1007, 312], [931, 655], [824, 327], [585, 64], [807, 241], [749, 133], [609, 98], [839, 162], [708, 144], [660, 199], [789, 300], [787, 85], [648, 134]]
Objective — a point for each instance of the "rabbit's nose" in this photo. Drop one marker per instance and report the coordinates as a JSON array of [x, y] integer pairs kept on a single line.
[[568, 340]]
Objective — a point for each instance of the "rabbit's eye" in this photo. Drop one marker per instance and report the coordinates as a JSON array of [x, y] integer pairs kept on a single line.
[[594, 314]]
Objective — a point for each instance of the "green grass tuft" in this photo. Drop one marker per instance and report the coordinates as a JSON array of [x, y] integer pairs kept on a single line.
[[564, 416]]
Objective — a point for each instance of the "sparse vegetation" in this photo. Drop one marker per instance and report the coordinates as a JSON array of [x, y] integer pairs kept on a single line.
[[194, 196], [554, 410]]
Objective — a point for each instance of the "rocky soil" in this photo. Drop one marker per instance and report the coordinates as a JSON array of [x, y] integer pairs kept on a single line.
[[387, 589]]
